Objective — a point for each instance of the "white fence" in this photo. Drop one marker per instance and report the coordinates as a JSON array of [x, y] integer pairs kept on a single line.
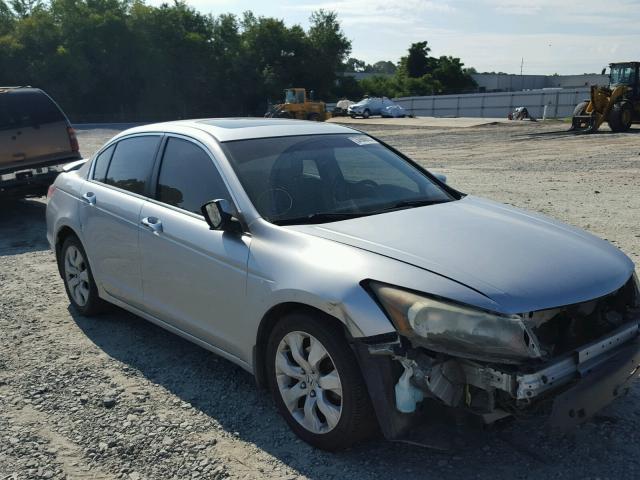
[[560, 103]]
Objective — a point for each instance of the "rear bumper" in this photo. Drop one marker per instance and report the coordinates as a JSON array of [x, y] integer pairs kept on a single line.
[[32, 181], [38, 164]]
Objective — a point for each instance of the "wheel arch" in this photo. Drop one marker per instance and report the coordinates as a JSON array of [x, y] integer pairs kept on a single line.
[[267, 324]]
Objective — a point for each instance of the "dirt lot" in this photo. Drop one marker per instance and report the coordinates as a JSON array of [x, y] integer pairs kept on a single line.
[[116, 397]]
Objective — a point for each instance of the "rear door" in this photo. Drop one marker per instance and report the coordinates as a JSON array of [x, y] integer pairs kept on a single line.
[[194, 278], [110, 214]]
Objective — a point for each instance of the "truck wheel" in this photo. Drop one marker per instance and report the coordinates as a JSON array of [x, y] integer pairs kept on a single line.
[[314, 117], [366, 113], [621, 117], [316, 383], [581, 108]]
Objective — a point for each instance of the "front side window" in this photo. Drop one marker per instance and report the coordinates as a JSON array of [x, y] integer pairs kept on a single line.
[[622, 75], [311, 179], [131, 163], [188, 178]]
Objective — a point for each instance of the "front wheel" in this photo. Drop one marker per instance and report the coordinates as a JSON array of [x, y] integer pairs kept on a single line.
[[78, 279], [366, 114], [316, 383], [621, 117]]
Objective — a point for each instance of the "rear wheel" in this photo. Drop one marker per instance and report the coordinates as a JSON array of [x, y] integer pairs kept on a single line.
[[314, 117], [581, 108], [316, 383], [78, 279], [621, 117]]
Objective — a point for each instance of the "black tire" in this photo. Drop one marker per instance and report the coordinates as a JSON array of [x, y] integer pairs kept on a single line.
[[94, 304], [357, 421], [581, 108], [621, 117], [314, 117], [366, 114]]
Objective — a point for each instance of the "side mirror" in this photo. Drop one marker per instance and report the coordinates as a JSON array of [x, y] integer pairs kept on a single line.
[[441, 177], [220, 215]]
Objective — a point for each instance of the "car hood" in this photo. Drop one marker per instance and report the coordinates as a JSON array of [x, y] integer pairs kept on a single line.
[[520, 260]]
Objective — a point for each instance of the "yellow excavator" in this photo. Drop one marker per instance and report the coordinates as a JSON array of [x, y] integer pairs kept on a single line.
[[618, 104], [298, 105]]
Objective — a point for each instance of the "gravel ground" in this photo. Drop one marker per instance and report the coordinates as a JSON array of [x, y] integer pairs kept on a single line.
[[116, 397]]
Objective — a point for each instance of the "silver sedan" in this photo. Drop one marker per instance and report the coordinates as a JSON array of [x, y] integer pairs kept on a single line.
[[364, 292]]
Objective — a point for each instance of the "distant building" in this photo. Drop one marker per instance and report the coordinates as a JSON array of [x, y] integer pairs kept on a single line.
[[504, 82]]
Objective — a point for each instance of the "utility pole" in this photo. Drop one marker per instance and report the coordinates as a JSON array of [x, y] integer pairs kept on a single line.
[[521, 77]]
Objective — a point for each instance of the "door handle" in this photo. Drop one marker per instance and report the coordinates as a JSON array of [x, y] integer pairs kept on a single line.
[[89, 197], [152, 223]]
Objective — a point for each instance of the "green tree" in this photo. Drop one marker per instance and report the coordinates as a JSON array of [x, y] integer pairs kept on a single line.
[[384, 66], [417, 63], [24, 8], [7, 18], [329, 49], [355, 65], [452, 77]]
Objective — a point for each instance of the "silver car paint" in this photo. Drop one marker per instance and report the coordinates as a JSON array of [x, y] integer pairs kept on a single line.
[[322, 266], [194, 278], [521, 261]]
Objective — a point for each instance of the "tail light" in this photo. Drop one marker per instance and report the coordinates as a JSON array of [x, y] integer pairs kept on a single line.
[[73, 140], [51, 191]]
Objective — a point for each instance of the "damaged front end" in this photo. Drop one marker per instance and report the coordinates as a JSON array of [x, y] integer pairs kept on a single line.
[[468, 365]]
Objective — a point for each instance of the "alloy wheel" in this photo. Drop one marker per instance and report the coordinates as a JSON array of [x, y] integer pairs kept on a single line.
[[76, 275], [308, 382]]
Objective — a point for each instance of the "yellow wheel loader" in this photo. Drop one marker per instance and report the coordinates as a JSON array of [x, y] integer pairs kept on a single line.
[[618, 104], [298, 105]]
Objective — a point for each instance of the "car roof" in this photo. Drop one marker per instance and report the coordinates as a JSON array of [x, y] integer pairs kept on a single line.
[[231, 129]]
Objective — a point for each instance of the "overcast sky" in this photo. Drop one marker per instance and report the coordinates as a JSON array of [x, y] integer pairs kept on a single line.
[[553, 36]]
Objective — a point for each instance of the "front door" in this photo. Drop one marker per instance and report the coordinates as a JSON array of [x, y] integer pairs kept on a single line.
[[193, 278]]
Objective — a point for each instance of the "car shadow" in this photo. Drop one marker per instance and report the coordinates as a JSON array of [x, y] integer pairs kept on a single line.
[[228, 394], [216, 387], [22, 226]]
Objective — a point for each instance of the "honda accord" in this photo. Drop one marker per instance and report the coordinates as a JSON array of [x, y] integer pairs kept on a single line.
[[363, 291]]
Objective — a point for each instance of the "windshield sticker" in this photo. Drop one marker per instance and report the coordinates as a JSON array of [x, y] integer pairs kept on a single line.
[[362, 140]]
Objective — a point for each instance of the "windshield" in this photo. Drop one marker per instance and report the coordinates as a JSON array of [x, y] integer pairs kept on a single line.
[[622, 74], [294, 96], [320, 178]]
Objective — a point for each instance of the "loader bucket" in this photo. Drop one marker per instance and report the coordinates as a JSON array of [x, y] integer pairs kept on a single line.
[[583, 123]]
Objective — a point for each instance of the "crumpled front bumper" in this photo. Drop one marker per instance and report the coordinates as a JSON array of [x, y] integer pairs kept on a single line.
[[597, 389], [572, 388]]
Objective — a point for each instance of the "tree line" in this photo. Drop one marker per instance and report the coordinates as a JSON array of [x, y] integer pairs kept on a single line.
[[123, 59], [417, 73]]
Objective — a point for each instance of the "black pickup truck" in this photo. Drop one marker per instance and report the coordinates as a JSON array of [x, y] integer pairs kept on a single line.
[[36, 140]]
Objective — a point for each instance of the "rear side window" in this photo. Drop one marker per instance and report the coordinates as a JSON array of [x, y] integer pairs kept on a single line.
[[188, 178], [102, 163], [131, 163], [7, 119]]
